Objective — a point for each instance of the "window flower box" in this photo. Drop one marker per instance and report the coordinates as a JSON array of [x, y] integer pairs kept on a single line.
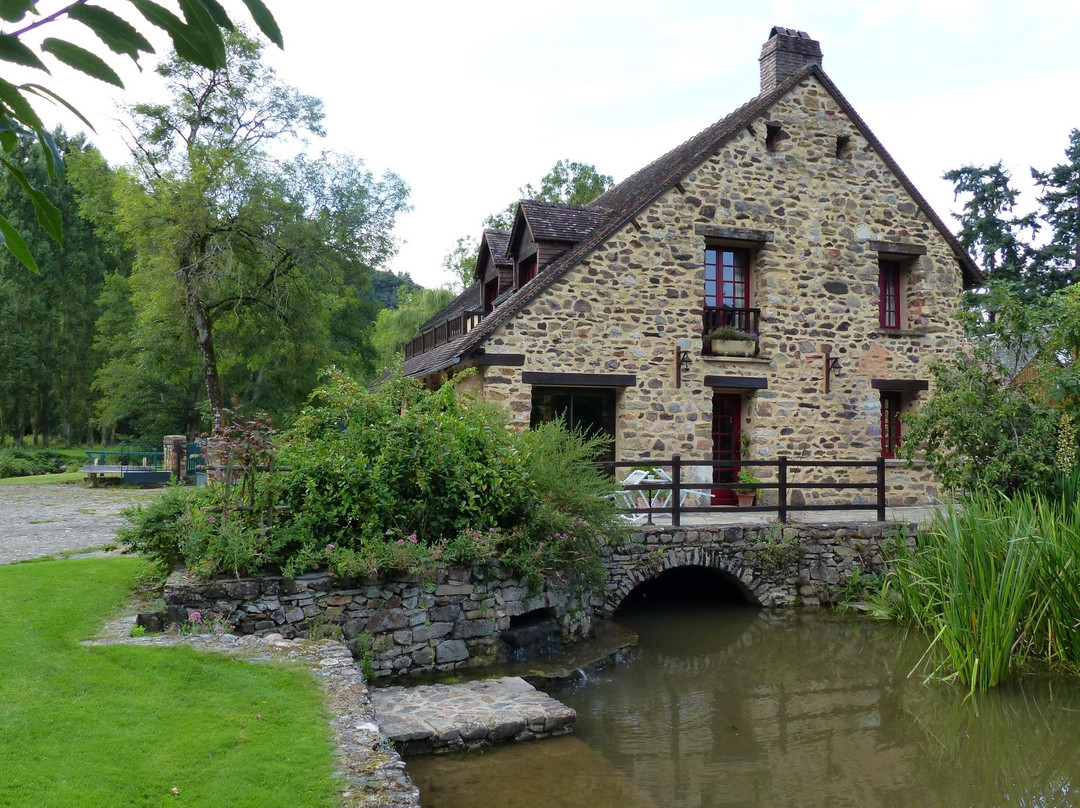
[[728, 341], [732, 347]]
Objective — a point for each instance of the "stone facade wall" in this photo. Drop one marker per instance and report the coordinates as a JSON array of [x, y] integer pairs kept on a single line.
[[629, 303], [403, 625], [807, 565]]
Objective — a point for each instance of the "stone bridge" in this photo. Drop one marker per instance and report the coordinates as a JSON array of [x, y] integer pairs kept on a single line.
[[401, 623], [770, 565]]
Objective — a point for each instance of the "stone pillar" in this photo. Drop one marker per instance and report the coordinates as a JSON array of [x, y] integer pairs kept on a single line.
[[175, 449]]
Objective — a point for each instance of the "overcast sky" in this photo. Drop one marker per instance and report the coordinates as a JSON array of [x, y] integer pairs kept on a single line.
[[469, 101]]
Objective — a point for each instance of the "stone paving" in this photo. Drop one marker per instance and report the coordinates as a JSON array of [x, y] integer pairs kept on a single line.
[[445, 717], [42, 520]]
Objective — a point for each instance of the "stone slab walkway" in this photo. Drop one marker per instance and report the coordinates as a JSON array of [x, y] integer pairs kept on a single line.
[[443, 717]]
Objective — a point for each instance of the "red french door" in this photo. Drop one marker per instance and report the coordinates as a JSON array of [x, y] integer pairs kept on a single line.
[[727, 416]]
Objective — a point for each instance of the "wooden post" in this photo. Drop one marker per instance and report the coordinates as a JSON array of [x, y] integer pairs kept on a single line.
[[676, 490], [881, 489], [781, 492]]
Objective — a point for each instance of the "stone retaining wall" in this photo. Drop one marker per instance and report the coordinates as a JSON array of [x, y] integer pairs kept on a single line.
[[772, 565], [395, 626]]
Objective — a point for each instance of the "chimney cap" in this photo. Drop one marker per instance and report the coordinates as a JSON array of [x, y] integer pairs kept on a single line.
[[779, 30]]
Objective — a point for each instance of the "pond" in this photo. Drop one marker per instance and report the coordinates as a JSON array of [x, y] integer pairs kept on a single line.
[[722, 704]]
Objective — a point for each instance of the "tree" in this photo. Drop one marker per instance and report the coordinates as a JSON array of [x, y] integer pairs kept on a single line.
[[1061, 201], [266, 263], [197, 38], [995, 418], [47, 319], [387, 287], [567, 183], [395, 328], [570, 183], [461, 261]]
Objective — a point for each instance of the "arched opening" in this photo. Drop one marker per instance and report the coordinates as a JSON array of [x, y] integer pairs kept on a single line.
[[690, 587], [532, 635]]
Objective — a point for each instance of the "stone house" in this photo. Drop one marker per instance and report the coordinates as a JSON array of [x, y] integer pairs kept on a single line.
[[786, 220]]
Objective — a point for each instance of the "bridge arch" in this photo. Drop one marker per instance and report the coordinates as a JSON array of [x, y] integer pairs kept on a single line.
[[629, 572], [691, 586]]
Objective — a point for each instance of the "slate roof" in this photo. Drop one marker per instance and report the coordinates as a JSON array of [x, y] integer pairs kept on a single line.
[[553, 222], [498, 241], [619, 205]]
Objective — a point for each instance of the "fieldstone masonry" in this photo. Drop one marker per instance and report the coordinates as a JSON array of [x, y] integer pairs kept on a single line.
[[827, 214], [403, 625], [395, 626], [771, 565]]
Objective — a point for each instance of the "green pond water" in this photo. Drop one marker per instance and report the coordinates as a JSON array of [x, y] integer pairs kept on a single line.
[[727, 705]]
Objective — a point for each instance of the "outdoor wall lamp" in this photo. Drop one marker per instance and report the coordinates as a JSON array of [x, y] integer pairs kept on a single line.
[[682, 364]]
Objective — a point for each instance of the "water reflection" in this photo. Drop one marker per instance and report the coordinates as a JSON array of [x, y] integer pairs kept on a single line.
[[730, 706]]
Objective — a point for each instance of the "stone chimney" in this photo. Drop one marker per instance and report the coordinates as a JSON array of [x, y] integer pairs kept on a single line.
[[785, 53]]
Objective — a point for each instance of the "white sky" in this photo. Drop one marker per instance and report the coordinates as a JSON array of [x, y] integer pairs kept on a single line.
[[469, 101]]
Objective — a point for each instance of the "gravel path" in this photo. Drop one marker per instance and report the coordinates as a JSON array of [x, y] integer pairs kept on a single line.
[[41, 520]]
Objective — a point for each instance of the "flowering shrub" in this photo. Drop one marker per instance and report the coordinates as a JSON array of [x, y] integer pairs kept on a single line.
[[216, 623]]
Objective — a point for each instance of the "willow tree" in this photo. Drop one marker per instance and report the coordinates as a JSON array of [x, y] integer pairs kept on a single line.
[[264, 259]]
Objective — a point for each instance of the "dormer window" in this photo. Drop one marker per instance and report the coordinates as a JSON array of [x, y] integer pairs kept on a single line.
[[491, 291], [527, 270]]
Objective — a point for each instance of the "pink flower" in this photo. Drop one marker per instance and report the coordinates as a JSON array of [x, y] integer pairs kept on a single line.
[[219, 629], [331, 547], [195, 617], [412, 538]]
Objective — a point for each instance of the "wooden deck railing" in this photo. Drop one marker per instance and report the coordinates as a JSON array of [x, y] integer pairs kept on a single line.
[[680, 484], [446, 331]]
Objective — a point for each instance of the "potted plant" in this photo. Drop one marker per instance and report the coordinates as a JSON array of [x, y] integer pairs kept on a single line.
[[728, 341], [746, 495]]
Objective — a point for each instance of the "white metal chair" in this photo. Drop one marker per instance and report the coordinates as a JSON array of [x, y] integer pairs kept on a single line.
[[629, 498], [684, 493]]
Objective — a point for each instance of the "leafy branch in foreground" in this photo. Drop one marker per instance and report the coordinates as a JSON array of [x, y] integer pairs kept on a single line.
[[197, 38]]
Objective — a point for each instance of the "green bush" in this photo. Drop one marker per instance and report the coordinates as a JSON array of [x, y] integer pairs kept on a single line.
[[401, 478], [31, 462], [163, 528]]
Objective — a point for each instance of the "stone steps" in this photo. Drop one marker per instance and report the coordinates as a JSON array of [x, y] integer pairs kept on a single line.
[[452, 717]]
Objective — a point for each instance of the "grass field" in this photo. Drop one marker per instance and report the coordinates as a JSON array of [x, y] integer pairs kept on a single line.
[[46, 479], [115, 726]]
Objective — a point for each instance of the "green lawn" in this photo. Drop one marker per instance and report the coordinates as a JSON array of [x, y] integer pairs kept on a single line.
[[46, 479], [124, 725]]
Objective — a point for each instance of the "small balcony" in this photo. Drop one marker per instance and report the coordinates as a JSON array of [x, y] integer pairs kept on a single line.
[[747, 320], [447, 331]]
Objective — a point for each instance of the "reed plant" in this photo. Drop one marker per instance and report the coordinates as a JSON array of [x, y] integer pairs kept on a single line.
[[993, 583]]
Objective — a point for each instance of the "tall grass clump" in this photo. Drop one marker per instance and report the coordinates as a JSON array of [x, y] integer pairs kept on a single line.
[[993, 583]]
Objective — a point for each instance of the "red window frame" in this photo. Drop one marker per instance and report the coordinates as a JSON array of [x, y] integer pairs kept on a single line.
[[727, 278], [889, 294], [491, 292], [891, 405], [527, 270]]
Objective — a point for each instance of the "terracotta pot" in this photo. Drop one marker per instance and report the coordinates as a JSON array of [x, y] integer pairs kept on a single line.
[[732, 347], [745, 500]]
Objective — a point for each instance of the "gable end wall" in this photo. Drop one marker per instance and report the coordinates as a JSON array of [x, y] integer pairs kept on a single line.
[[626, 307]]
